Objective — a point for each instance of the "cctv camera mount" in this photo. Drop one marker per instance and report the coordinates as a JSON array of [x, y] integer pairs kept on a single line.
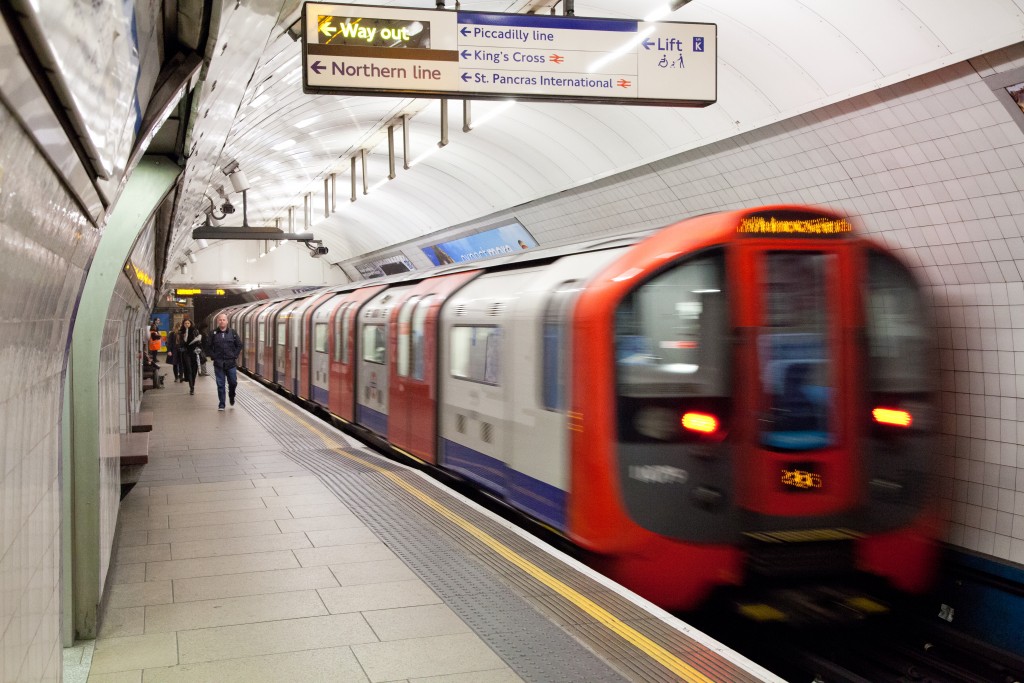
[[245, 231]]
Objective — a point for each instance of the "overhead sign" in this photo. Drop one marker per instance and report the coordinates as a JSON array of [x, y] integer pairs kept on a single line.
[[197, 292], [366, 50]]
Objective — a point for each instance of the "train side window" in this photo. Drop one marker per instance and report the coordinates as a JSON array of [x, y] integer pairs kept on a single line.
[[419, 323], [475, 354], [554, 346], [320, 338], [404, 333], [374, 344], [263, 332], [899, 342]]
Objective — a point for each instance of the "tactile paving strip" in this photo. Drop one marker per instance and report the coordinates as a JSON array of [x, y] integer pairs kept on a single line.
[[541, 635]]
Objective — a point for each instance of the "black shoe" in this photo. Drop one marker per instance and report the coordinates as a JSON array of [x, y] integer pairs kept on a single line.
[[191, 392], [232, 400]]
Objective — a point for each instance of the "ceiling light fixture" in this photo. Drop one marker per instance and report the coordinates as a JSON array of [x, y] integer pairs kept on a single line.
[[665, 10]]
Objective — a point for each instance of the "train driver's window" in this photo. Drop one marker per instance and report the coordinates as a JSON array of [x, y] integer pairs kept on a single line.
[[320, 337], [670, 332], [374, 343], [475, 353], [899, 345]]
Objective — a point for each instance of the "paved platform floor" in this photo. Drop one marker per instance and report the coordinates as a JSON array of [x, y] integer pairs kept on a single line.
[[235, 563], [260, 544]]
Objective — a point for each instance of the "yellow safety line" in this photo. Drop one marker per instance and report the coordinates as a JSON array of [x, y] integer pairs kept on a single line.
[[609, 620]]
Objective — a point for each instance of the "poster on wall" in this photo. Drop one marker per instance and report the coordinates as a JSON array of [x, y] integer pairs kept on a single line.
[[505, 239]]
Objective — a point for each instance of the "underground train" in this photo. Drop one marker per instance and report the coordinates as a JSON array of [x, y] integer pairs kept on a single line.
[[745, 397]]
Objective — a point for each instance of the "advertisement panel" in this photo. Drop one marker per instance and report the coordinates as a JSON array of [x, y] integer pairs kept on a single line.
[[506, 239]]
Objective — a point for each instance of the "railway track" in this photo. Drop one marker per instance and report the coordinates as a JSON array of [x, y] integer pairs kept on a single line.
[[897, 648]]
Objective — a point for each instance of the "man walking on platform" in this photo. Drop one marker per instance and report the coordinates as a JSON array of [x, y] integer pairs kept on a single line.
[[225, 345]]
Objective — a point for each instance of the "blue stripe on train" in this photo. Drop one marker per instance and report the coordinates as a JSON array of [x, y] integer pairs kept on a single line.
[[320, 395], [536, 498], [371, 419]]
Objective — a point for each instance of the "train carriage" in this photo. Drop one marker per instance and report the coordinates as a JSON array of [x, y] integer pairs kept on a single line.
[[741, 397]]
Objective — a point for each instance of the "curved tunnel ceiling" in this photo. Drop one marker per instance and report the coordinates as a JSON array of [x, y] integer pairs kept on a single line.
[[775, 60]]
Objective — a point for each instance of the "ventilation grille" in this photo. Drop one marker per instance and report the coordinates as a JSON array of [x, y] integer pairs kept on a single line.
[[496, 308], [460, 309], [487, 432], [460, 423]]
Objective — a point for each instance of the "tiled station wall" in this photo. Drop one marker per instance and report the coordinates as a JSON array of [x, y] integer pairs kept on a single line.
[[45, 246], [934, 168], [119, 379]]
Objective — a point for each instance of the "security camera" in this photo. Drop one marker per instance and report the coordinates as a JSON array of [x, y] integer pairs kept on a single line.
[[227, 207], [318, 251], [239, 182]]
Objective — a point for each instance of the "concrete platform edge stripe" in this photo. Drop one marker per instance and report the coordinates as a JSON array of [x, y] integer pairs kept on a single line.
[[601, 615]]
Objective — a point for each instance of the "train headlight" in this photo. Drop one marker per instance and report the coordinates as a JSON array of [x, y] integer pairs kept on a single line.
[[701, 423], [892, 416]]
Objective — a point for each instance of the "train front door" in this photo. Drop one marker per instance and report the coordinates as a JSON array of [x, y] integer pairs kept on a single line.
[[797, 374]]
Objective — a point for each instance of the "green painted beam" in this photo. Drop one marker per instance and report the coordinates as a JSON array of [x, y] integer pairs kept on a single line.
[[149, 183]]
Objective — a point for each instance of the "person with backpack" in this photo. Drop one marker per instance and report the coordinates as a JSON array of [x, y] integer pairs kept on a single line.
[[225, 345]]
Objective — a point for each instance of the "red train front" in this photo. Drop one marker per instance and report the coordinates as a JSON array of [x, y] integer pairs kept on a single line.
[[753, 398]]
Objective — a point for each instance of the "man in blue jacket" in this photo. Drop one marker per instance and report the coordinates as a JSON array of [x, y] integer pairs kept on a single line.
[[225, 345]]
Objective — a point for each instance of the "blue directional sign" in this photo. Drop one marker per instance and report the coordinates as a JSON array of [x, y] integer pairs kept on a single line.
[[359, 49]]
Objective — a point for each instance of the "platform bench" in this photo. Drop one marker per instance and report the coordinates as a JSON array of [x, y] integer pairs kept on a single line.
[[135, 448], [143, 421]]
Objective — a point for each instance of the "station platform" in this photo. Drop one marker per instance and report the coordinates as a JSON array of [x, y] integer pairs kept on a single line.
[[261, 544]]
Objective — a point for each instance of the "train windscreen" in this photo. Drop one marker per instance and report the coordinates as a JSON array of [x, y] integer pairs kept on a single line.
[[899, 345], [794, 351]]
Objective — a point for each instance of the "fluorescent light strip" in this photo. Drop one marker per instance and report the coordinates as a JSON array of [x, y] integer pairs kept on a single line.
[[619, 51]]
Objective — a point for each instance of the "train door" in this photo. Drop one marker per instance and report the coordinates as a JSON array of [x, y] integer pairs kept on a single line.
[[281, 346], [798, 311], [343, 364], [374, 358], [322, 348], [264, 339], [413, 382], [307, 350], [298, 344], [249, 337]]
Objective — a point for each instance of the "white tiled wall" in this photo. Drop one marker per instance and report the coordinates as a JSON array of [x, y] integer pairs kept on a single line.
[[934, 168], [114, 396], [44, 247]]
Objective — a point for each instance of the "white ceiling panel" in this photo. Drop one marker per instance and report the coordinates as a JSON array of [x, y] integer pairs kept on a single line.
[[776, 60]]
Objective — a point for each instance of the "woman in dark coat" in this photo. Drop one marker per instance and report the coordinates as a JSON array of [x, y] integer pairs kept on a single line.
[[188, 348]]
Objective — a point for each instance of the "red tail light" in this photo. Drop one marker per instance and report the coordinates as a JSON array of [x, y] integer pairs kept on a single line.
[[892, 416], [700, 422]]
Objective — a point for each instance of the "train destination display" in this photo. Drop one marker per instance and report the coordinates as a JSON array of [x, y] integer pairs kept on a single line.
[[365, 50]]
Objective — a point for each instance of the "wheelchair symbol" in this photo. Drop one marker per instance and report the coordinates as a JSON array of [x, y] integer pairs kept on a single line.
[[698, 44]]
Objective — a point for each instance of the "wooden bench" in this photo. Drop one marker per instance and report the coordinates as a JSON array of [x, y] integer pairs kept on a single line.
[[143, 421], [135, 448]]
